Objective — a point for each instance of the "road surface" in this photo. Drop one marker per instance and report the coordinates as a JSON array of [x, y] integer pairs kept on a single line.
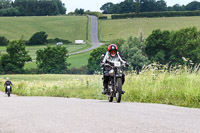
[[71, 115], [94, 36]]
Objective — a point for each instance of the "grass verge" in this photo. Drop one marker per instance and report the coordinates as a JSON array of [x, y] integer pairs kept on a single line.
[[173, 89]]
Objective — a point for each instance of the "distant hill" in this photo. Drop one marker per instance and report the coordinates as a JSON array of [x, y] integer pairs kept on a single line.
[[123, 28], [63, 27]]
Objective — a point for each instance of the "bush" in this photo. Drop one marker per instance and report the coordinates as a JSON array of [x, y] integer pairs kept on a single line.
[[1, 68], [52, 59], [103, 17], [14, 61], [157, 46], [3, 41], [38, 38], [9, 11], [97, 14], [132, 50], [81, 70], [94, 59], [166, 46], [58, 40], [156, 14]]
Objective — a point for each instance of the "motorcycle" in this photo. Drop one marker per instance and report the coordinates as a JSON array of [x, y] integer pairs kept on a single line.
[[8, 90], [115, 81]]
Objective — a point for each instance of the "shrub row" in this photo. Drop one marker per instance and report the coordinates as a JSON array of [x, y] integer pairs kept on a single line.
[[81, 70], [156, 14], [97, 14], [103, 17], [58, 40]]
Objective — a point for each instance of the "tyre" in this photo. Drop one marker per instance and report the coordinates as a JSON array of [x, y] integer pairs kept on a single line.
[[110, 99], [119, 90], [8, 93]]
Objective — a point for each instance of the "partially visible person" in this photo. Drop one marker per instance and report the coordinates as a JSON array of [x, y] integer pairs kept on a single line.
[[8, 83]]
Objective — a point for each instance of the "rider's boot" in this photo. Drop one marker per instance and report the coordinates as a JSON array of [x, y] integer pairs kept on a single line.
[[5, 91], [105, 89]]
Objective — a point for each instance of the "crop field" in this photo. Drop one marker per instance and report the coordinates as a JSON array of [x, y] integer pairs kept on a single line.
[[124, 28], [180, 88], [64, 27]]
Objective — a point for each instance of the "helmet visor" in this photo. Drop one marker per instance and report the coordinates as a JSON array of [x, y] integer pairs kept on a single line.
[[113, 53]]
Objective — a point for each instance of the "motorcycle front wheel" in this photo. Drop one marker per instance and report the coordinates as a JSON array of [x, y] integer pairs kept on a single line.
[[119, 90], [8, 93]]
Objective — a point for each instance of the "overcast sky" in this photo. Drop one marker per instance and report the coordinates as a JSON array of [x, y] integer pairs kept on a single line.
[[94, 5]]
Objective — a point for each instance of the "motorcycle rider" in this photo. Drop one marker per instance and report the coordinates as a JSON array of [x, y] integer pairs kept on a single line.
[[8, 83], [112, 55]]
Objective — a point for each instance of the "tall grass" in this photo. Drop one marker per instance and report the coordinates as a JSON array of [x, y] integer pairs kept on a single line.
[[56, 85], [179, 87]]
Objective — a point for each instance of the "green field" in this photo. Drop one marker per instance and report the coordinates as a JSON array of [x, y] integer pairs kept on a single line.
[[79, 60], [33, 49], [76, 61], [181, 89], [64, 27], [123, 28]]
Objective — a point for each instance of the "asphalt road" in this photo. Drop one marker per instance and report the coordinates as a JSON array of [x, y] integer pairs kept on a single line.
[[94, 36], [70, 115]]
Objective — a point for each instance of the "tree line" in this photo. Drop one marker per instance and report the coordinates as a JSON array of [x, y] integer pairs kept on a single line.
[[130, 6], [51, 59], [164, 47], [174, 47], [31, 7]]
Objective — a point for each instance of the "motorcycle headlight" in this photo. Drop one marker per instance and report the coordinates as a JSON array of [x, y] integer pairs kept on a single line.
[[111, 72]]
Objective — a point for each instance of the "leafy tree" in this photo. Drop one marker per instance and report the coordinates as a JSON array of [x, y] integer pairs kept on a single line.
[[5, 4], [147, 5], [52, 59], [39, 7], [38, 38], [137, 10], [9, 12], [118, 42], [106, 8], [161, 5], [61, 7], [185, 43], [95, 58], [178, 7], [14, 61], [79, 11], [165, 46], [192, 6], [1, 67], [3, 41], [133, 51], [157, 46], [127, 6]]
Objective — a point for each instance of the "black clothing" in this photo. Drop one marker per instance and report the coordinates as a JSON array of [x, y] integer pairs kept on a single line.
[[106, 69], [8, 83]]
